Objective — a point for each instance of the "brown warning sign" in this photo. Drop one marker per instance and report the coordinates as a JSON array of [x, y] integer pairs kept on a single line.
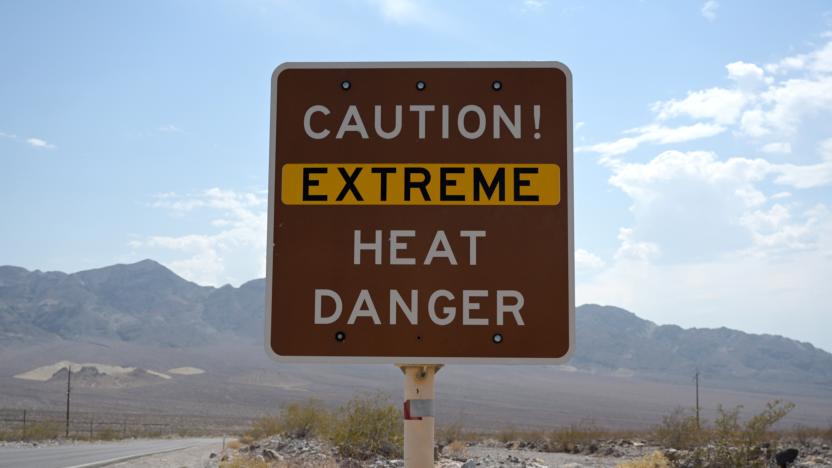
[[421, 213]]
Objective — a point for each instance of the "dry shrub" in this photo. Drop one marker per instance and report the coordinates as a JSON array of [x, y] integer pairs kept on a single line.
[[567, 439], [654, 460], [457, 449], [44, 430], [450, 433], [679, 430], [234, 444], [264, 427], [305, 420], [368, 426], [738, 444], [508, 434], [244, 462]]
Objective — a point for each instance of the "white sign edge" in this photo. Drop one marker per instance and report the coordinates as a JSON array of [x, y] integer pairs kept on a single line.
[[410, 359]]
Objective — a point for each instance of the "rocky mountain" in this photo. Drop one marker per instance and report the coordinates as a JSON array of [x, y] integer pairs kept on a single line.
[[619, 341], [141, 302], [146, 303]]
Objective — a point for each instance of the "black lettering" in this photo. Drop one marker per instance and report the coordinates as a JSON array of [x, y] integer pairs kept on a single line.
[[499, 181], [518, 183], [422, 185], [349, 184], [307, 182], [383, 171], [444, 183]]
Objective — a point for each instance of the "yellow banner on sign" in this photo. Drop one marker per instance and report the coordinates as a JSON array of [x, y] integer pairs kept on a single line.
[[420, 184]]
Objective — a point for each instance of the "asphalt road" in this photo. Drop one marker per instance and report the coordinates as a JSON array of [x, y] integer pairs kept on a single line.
[[94, 454]]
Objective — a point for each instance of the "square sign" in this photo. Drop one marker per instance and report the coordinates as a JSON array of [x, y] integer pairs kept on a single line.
[[421, 213]]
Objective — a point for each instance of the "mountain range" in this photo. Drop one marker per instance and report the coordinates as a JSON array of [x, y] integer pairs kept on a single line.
[[147, 304]]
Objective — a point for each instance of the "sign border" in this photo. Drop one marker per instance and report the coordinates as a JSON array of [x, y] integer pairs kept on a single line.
[[410, 359]]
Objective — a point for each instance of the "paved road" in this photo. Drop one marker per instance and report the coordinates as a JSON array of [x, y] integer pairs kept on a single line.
[[95, 454]]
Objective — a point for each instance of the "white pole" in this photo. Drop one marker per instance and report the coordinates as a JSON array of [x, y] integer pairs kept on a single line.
[[418, 414]]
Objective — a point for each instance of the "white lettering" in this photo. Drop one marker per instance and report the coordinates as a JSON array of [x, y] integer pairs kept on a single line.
[[395, 246], [472, 244], [410, 311], [319, 295], [364, 307], [352, 123], [307, 122], [450, 312], [397, 128], [468, 306], [513, 309], [421, 109], [446, 251], [480, 125], [358, 246], [512, 126]]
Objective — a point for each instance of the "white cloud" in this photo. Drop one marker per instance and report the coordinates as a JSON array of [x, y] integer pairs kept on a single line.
[[170, 128], [630, 249], [777, 147], [729, 241], [784, 105], [693, 205], [653, 134], [233, 249], [709, 247], [721, 105], [402, 11], [804, 177], [763, 101], [38, 143], [588, 260], [747, 75], [534, 5], [755, 294], [10, 136], [709, 9]]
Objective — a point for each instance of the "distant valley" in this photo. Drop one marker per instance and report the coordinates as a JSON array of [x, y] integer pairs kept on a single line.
[[140, 322]]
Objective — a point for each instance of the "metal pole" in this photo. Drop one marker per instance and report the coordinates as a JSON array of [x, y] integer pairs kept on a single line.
[[419, 414], [68, 390], [91, 423], [697, 399]]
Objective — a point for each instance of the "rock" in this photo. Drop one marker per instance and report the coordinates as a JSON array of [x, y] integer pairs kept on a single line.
[[213, 455], [786, 457], [270, 454], [469, 464]]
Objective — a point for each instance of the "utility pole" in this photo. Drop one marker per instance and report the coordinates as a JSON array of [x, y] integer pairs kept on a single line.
[[696, 377], [68, 390]]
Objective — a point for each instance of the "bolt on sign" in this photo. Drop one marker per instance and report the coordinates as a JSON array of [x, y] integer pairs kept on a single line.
[[421, 212]]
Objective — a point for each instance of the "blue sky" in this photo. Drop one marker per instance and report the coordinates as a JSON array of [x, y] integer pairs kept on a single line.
[[703, 139]]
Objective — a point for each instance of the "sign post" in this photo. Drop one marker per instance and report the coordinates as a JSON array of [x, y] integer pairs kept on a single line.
[[420, 213], [418, 412]]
